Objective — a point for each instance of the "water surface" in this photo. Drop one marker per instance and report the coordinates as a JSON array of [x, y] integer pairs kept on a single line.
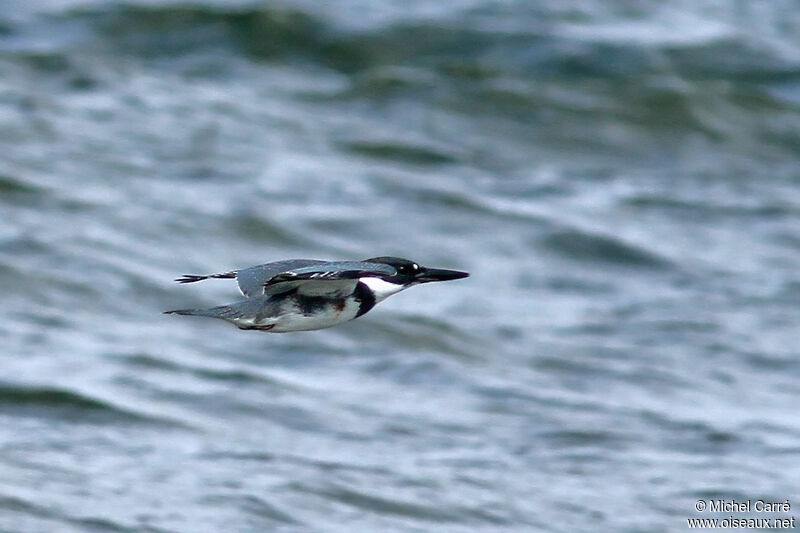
[[621, 180]]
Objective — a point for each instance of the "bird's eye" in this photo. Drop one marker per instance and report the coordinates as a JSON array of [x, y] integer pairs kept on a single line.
[[408, 269]]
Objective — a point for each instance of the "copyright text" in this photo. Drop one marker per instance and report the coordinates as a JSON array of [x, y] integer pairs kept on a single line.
[[750, 507]]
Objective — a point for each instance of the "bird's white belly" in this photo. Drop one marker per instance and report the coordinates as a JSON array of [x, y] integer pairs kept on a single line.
[[330, 315]]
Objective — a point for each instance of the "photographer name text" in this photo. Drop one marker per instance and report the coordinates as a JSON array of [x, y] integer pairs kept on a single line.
[[743, 506]]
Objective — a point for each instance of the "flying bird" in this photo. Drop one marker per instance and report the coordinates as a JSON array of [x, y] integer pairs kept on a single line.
[[309, 294]]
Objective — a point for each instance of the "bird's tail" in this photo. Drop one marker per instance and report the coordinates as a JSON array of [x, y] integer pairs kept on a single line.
[[222, 311]]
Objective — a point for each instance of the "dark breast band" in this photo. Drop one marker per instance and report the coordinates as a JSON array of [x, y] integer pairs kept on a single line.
[[365, 297]]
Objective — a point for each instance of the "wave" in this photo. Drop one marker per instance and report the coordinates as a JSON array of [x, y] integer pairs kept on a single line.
[[463, 48], [67, 404], [587, 246]]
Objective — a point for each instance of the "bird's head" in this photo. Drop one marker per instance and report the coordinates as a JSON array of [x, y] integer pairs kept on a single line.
[[407, 274]]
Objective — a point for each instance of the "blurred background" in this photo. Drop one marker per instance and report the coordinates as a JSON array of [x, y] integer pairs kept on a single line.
[[621, 178]]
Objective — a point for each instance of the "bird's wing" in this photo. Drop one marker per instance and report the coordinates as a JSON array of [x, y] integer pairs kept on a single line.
[[332, 278], [252, 280]]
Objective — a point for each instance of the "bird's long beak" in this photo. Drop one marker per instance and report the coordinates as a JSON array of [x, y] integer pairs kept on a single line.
[[439, 274]]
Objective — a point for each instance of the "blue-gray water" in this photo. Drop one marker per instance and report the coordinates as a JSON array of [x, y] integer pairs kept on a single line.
[[622, 179]]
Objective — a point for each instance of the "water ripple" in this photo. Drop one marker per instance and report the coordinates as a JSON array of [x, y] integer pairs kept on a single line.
[[66, 404]]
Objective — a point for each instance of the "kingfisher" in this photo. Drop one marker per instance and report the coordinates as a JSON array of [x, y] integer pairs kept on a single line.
[[309, 294]]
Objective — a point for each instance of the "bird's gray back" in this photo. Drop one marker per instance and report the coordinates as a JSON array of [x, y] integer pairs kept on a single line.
[[251, 280], [343, 269]]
